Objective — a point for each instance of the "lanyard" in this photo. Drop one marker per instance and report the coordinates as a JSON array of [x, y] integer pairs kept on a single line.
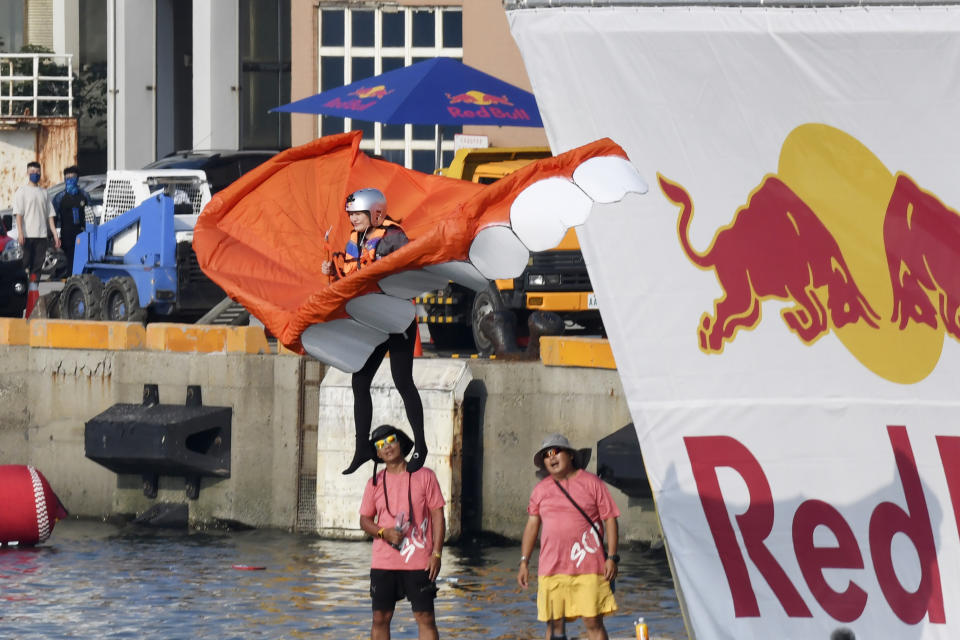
[[593, 525]]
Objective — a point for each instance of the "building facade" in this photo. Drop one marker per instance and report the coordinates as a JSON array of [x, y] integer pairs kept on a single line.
[[336, 43], [156, 76], [195, 74]]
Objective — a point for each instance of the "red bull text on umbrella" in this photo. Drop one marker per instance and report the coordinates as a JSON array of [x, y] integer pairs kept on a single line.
[[484, 106]]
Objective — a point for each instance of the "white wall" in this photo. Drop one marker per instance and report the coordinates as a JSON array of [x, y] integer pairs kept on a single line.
[[131, 83], [66, 27], [216, 55]]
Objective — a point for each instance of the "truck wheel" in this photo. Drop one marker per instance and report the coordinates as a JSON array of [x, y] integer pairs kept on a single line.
[[80, 298], [120, 301], [484, 303]]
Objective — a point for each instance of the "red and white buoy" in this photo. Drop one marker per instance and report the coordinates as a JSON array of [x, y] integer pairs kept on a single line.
[[28, 506]]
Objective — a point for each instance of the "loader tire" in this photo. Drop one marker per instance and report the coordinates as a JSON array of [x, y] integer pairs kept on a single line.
[[80, 298], [120, 302]]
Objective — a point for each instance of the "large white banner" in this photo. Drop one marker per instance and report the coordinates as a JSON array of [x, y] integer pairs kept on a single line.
[[783, 303]]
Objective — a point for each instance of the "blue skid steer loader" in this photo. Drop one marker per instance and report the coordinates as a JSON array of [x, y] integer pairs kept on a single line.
[[139, 259]]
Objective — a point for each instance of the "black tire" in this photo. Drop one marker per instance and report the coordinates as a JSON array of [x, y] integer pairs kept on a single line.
[[120, 302], [80, 298], [55, 265], [484, 303]]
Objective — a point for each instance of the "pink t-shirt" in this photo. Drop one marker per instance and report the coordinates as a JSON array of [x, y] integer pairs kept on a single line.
[[568, 544], [417, 545]]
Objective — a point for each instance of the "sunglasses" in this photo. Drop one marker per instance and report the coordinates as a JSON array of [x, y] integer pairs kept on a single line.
[[390, 439], [549, 453]]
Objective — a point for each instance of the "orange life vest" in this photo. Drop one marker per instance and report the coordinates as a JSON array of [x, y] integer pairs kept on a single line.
[[356, 257]]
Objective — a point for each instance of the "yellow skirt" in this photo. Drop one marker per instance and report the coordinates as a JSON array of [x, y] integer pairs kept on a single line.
[[572, 597]]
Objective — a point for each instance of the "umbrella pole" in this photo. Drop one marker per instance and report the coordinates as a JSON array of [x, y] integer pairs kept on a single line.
[[438, 155]]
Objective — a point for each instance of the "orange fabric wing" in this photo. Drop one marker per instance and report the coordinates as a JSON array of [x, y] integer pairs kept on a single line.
[[262, 238]]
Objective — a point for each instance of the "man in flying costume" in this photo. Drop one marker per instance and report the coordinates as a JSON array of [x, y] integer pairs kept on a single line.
[[374, 236], [263, 239]]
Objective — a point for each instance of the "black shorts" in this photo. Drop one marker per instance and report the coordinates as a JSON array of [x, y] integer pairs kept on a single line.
[[388, 586]]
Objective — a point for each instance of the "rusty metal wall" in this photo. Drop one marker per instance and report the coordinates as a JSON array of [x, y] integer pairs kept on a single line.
[[50, 141]]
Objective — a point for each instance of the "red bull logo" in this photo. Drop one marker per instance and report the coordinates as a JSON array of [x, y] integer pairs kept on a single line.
[[479, 98], [483, 106], [365, 97], [853, 248], [365, 93]]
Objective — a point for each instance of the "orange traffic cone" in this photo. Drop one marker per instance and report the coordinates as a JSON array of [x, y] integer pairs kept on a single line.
[[33, 295], [417, 346]]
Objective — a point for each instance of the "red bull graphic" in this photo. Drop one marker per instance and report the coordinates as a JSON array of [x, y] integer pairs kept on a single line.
[[377, 92], [922, 239], [859, 251], [776, 247], [478, 97], [365, 98], [486, 106]]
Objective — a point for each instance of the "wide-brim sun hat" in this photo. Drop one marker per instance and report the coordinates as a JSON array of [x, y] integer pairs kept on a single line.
[[553, 441]]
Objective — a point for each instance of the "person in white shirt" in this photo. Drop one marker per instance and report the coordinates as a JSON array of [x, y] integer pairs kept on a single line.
[[31, 207]]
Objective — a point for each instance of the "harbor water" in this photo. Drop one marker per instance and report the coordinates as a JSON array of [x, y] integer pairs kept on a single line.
[[100, 580]]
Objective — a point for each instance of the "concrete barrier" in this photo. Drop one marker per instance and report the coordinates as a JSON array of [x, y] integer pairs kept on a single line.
[[70, 334], [575, 351], [132, 336], [14, 331]]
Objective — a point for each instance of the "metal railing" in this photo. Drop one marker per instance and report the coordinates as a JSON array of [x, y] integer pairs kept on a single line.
[[11, 92]]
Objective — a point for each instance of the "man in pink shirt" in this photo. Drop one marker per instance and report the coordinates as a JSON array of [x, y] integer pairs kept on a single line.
[[403, 512], [578, 555]]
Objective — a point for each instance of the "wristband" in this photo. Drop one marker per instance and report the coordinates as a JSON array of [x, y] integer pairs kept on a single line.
[[380, 533], [436, 554], [523, 559]]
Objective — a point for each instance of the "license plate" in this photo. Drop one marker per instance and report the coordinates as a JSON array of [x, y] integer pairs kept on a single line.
[[592, 301]]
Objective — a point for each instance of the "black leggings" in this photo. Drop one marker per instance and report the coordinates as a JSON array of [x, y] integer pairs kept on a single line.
[[400, 346]]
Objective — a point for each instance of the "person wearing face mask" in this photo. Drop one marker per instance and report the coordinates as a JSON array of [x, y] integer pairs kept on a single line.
[[31, 207], [70, 205], [374, 236]]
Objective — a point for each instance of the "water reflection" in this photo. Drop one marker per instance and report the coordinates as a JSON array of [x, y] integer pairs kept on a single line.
[[95, 580]]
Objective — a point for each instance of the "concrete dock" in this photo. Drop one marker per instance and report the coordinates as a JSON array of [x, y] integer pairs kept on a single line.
[[487, 417]]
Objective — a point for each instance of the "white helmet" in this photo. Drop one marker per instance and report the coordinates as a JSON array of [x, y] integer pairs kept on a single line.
[[372, 201]]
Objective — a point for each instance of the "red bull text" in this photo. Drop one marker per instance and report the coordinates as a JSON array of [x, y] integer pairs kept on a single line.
[[910, 603], [485, 107]]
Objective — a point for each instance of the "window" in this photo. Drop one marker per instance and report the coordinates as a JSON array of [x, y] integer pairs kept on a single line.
[[363, 42], [264, 73]]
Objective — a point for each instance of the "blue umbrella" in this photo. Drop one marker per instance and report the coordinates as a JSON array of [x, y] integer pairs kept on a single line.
[[439, 91]]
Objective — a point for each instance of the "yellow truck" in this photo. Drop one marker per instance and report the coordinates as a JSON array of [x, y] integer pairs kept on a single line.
[[555, 280]]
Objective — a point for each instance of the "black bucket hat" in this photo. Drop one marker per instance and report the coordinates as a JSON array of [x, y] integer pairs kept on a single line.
[[381, 432]]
